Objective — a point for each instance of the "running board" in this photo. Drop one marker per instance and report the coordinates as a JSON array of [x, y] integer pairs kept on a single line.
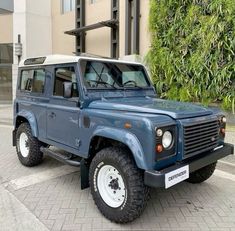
[[62, 158]]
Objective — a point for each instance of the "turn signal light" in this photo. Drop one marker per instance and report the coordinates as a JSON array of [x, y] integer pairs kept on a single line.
[[127, 125], [159, 148], [222, 130]]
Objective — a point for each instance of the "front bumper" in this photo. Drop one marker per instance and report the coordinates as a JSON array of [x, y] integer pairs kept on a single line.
[[156, 179]]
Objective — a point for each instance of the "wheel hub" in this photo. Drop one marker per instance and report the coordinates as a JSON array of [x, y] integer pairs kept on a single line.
[[111, 186], [114, 184], [24, 144]]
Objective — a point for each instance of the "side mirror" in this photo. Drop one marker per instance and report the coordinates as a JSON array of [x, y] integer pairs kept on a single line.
[[67, 89]]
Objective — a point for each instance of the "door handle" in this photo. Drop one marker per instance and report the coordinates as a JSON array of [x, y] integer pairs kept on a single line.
[[52, 115]]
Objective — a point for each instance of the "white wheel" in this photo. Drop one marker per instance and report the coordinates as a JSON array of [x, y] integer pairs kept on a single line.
[[24, 144], [117, 185], [111, 186]]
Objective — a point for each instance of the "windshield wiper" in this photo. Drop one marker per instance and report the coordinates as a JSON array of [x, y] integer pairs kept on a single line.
[[132, 87], [102, 82], [132, 84]]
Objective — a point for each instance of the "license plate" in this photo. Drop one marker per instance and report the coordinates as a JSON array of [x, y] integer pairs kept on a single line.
[[176, 176]]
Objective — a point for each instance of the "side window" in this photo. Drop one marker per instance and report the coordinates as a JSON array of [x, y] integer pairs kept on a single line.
[[65, 74], [26, 80], [33, 80], [38, 81]]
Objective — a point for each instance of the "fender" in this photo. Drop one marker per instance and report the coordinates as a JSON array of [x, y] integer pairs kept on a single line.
[[31, 119], [126, 138]]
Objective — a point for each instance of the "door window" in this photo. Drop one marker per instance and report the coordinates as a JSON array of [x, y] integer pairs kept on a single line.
[[65, 74]]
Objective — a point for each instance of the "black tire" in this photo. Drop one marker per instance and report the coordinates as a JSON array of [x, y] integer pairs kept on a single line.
[[34, 156], [136, 193], [202, 174]]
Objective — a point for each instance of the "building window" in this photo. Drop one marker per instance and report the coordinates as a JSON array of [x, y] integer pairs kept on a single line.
[[6, 53], [5, 83], [6, 60], [92, 1], [67, 6]]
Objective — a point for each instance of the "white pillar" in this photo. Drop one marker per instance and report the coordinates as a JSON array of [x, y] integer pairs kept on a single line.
[[32, 21]]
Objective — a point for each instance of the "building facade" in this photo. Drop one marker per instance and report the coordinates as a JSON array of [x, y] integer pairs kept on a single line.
[[6, 49], [107, 28]]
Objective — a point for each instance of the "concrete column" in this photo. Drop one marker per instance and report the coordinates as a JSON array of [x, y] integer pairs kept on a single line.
[[32, 20]]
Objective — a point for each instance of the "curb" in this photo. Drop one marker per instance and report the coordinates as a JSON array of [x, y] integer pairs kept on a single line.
[[222, 162], [6, 123], [226, 167]]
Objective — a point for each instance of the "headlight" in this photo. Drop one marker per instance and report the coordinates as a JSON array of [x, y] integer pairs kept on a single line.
[[167, 139]]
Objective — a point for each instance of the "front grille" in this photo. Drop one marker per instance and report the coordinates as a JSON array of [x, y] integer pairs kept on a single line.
[[200, 137]]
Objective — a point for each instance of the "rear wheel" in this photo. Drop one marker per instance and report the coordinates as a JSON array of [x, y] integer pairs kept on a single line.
[[27, 146], [117, 185], [202, 174]]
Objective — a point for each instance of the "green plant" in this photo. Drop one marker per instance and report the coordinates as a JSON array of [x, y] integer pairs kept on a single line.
[[192, 54]]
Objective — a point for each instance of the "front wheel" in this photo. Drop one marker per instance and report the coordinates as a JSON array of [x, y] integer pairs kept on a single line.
[[202, 174], [117, 185]]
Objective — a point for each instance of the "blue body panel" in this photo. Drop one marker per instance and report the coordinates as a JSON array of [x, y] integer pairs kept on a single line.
[[30, 117], [174, 109], [60, 122]]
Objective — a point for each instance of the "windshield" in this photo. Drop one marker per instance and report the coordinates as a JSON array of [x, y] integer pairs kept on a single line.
[[98, 74]]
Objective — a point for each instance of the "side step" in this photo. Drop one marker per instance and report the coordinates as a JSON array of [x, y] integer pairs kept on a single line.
[[60, 157]]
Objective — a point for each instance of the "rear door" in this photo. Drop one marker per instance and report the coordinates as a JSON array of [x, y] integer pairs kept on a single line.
[[62, 113]]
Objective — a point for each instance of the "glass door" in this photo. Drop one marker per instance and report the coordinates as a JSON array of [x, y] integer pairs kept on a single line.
[[5, 83]]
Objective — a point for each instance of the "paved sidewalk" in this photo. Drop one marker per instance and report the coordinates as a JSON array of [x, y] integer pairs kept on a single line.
[[15, 216], [6, 114]]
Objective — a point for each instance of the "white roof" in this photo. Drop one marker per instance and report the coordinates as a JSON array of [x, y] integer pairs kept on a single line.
[[60, 59]]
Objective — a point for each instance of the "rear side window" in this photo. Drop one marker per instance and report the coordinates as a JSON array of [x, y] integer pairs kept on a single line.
[[33, 80]]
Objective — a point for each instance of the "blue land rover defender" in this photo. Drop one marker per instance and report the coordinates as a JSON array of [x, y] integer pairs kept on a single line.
[[103, 115]]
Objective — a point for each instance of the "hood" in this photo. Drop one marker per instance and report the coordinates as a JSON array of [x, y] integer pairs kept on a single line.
[[174, 109]]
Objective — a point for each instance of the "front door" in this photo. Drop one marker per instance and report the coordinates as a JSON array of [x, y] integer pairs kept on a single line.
[[62, 113]]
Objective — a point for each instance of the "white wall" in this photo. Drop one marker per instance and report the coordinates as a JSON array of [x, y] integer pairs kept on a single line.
[[38, 27], [32, 20], [19, 24]]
